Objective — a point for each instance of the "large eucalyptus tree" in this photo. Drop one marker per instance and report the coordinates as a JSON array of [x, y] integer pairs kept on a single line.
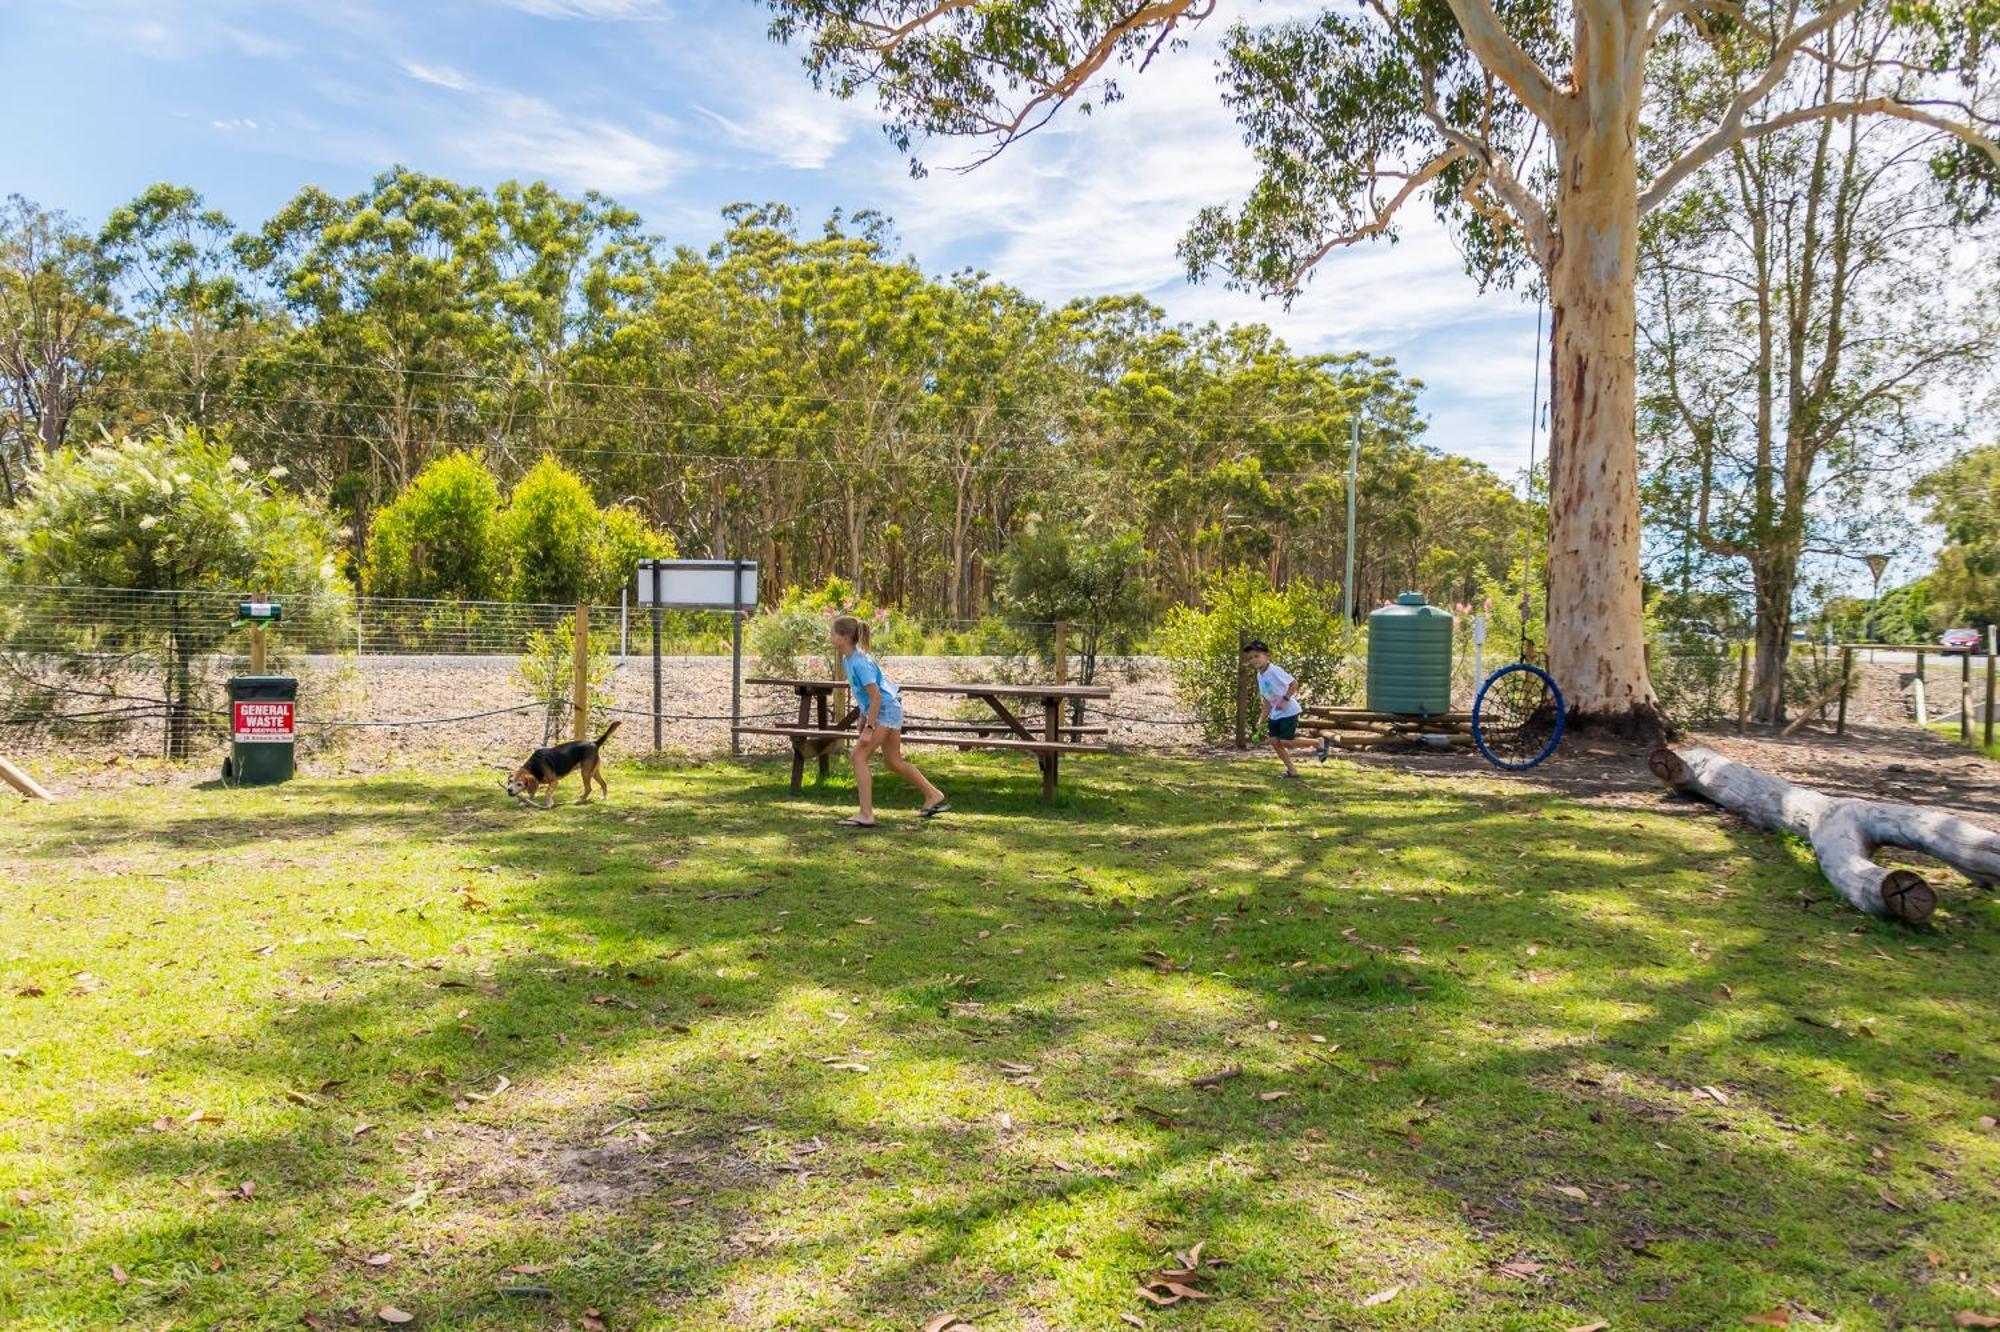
[[1526, 124]]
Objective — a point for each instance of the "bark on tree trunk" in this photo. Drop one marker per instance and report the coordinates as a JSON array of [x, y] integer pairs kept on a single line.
[[1596, 611], [1773, 641], [1844, 832]]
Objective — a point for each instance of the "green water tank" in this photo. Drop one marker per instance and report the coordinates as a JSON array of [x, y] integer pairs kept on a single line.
[[1409, 657]]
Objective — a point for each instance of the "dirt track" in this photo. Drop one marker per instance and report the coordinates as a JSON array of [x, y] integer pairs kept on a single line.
[[1883, 754]]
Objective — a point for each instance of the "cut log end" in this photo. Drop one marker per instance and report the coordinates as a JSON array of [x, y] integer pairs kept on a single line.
[[1906, 896], [1667, 766]]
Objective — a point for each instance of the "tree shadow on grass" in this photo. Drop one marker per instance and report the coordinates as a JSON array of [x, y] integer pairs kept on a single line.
[[1156, 940]]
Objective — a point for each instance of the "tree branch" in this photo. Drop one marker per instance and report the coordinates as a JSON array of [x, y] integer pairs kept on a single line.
[[1504, 57], [1384, 213], [1698, 156]]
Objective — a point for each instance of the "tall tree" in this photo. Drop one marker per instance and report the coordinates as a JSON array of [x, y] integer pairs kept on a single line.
[[1523, 124], [1964, 500], [1803, 305], [59, 332], [194, 318]]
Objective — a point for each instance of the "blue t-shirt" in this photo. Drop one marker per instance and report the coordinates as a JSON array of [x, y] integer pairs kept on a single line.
[[863, 671], [1272, 682]]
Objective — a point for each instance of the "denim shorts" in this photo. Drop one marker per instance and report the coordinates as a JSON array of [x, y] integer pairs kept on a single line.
[[891, 714]]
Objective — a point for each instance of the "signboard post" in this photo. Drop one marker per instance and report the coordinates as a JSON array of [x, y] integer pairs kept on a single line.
[[729, 585], [1478, 653]]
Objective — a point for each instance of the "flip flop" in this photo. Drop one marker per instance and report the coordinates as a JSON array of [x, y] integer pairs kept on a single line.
[[855, 823], [932, 811]]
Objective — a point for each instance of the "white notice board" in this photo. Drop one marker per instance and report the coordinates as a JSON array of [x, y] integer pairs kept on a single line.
[[696, 584]]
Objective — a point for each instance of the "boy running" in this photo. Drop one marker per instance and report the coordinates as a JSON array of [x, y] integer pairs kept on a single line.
[[1280, 710]]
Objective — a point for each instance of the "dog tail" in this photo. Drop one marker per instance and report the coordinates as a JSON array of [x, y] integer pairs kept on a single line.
[[607, 734]]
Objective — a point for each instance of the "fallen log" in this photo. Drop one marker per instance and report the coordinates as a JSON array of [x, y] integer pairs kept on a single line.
[[1844, 832]]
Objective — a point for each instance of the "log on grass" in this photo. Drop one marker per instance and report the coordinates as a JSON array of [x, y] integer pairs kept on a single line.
[[1844, 832]]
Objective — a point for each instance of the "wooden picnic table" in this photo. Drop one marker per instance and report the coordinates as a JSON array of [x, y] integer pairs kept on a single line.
[[815, 734]]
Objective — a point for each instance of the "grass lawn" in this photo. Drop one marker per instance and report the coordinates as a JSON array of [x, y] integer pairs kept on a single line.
[[1950, 731], [697, 1059]]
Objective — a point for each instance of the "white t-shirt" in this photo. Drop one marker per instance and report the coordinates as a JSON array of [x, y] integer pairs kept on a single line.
[[1272, 682]]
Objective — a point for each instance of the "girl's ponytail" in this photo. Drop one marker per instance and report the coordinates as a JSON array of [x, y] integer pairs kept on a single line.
[[852, 628]]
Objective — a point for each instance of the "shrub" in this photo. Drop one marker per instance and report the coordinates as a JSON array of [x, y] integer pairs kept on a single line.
[[1302, 623], [556, 545], [435, 540], [546, 671], [791, 637], [1099, 587], [172, 512]]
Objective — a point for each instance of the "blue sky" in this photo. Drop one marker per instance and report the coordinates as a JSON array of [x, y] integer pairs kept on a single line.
[[678, 108]]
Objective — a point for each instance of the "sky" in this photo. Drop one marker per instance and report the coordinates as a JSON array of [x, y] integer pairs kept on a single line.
[[680, 107]]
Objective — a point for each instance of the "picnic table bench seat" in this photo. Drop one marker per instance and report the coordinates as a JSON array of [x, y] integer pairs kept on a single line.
[[922, 738], [815, 733]]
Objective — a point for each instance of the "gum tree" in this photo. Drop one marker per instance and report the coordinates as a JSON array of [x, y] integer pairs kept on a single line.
[[1532, 128]]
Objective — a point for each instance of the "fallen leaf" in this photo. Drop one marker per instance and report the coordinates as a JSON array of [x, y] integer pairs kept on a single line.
[[1988, 1122], [1382, 1296], [1571, 1191], [1713, 1094], [1599, 1326], [119, 1274], [1889, 1198], [389, 1313], [1132, 1318], [1272, 1095], [379, 1259], [1967, 1318], [1775, 1318], [30, 992], [1162, 1300], [593, 1321], [202, 1117], [944, 1323], [1523, 1269]]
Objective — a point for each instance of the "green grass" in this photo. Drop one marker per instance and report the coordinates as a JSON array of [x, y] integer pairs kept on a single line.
[[1950, 731], [304, 1053]]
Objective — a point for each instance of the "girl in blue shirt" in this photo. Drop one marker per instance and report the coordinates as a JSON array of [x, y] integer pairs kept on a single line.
[[880, 725]]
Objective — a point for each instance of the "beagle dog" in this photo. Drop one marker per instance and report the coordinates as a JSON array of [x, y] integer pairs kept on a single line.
[[547, 766]]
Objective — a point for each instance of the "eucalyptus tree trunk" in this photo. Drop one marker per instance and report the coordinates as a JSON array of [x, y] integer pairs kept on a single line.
[[1597, 649]]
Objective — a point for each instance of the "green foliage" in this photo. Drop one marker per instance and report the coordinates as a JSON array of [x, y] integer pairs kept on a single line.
[[1964, 499], [791, 638], [1301, 621], [553, 543], [546, 672], [1908, 614], [171, 510], [1097, 586], [438, 538], [175, 513]]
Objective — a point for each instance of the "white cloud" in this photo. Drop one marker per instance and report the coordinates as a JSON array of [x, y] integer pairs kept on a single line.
[[443, 76], [515, 133], [784, 131]]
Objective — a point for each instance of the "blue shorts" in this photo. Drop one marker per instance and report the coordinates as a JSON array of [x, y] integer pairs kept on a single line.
[[891, 714]]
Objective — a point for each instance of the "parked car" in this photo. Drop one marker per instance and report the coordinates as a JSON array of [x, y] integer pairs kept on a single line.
[[1960, 640]]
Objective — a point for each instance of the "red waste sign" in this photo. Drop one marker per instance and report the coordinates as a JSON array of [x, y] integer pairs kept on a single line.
[[255, 722]]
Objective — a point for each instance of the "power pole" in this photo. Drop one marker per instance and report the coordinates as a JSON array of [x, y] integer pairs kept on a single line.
[[1353, 482]]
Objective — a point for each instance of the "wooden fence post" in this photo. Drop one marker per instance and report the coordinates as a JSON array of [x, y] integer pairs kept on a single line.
[[1846, 674], [1923, 714], [1965, 698], [1989, 686], [1743, 689], [1062, 652], [256, 649], [22, 782], [579, 689]]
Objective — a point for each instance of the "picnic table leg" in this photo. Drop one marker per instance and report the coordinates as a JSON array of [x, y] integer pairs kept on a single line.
[[799, 747], [825, 767], [1052, 716]]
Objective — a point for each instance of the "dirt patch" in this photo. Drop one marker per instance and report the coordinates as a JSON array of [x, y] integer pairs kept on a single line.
[[523, 1168]]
